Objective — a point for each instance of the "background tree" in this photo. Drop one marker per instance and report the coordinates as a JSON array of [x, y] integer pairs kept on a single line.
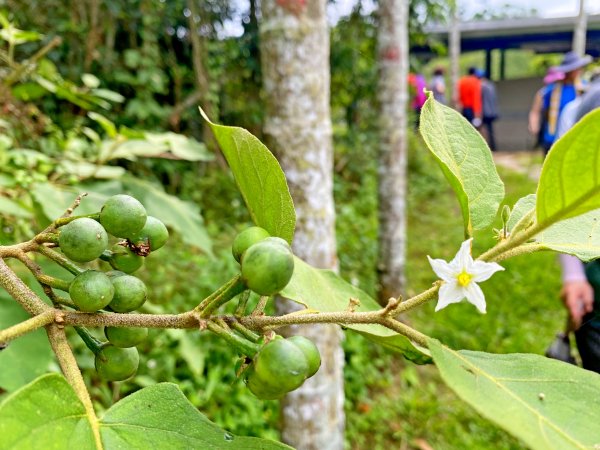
[[294, 43], [393, 98]]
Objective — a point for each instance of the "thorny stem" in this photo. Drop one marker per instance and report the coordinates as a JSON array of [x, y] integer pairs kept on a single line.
[[27, 326], [68, 365]]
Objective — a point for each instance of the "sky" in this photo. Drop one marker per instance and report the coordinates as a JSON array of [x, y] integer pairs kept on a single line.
[[545, 8]]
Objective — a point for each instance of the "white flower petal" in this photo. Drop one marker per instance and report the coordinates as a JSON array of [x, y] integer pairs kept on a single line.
[[463, 258], [482, 271], [449, 293], [475, 296], [442, 269]]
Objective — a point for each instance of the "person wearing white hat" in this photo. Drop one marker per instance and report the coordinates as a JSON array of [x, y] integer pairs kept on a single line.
[[560, 93]]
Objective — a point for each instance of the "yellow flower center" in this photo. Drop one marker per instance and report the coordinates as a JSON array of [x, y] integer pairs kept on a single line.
[[464, 278]]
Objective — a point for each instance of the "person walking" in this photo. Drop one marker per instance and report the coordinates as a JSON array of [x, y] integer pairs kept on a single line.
[[581, 282], [558, 94], [469, 97], [438, 85], [536, 120], [489, 108]]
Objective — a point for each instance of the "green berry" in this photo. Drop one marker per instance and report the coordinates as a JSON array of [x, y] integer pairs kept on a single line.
[[117, 364], [122, 215], [130, 294], [311, 353], [125, 337], [154, 234], [124, 260], [280, 241], [91, 291], [279, 367], [267, 267], [246, 239], [114, 273], [83, 239]]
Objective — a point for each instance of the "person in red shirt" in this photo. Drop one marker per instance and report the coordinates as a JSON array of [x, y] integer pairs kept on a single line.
[[469, 97]]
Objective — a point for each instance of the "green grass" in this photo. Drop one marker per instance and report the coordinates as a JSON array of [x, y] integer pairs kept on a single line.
[[392, 403]]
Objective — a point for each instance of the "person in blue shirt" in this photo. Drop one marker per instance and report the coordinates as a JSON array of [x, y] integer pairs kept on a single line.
[[556, 95]]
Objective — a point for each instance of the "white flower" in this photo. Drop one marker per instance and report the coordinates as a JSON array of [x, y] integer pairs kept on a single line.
[[460, 277]]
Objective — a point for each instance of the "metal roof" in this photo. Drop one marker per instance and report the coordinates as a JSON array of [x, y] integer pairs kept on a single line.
[[542, 35]]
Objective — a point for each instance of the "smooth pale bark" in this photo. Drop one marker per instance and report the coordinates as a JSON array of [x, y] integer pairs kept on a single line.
[[579, 32], [454, 51], [392, 48], [294, 45]]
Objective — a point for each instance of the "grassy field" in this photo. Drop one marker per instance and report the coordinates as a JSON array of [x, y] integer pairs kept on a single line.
[[394, 404]]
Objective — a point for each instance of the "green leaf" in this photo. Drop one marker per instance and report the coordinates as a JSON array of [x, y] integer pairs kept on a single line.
[[181, 146], [522, 208], [25, 358], [62, 197], [183, 217], [45, 413], [546, 403], [48, 413], [578, 236], [108, 95], [90, 80], [160, 416], [325, 291], [466, 162], [570, 179], [133, 148], [109, 127], [84, 169], [259, 178], [13, 208]]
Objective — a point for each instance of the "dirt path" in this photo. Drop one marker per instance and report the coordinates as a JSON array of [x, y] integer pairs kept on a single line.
[[525, 162]]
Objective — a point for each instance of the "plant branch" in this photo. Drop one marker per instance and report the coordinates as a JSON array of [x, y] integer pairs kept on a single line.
[[60, 259], [245, 346], [184, 320], [68, 365], [27, 326], [234, 287], [20, 292]]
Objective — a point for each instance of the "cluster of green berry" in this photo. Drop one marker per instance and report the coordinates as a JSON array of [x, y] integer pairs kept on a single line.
[[84, 240], [281, 365], [267, 262]]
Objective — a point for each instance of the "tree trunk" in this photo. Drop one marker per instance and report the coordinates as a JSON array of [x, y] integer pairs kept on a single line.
[[580, 30], [392, 48], [454, 50], [294, 46]]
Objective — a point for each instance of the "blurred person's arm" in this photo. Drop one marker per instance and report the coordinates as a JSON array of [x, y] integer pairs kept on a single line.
[[535, 113], [577, 294]]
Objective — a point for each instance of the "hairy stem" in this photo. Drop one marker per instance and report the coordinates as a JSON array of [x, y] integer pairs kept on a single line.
[[53, 282], [65, 220], [243, 345], [20, 292], [184, 320], [90, 341], [235, 287], [60, 259], [27, 326], [68, 365]]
